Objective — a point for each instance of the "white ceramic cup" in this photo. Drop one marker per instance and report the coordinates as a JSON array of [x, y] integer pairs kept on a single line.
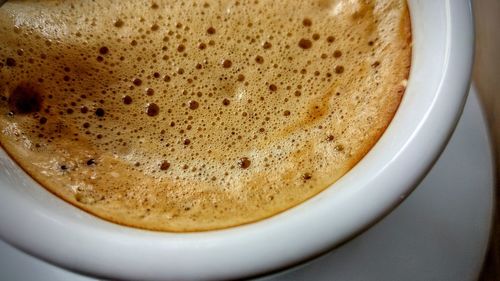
[[41, 224]]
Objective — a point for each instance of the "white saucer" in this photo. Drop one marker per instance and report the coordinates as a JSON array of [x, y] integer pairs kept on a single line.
[[439, 233]]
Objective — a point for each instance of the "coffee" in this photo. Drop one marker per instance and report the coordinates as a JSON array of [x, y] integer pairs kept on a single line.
[[190, 115]]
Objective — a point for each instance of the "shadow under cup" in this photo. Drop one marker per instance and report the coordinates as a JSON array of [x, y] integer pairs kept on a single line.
[[41, 224]]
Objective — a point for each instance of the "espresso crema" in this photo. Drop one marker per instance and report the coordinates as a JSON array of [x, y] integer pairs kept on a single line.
[[197, 115]]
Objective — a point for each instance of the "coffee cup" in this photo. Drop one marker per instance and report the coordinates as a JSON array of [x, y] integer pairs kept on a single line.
[[41, 224]]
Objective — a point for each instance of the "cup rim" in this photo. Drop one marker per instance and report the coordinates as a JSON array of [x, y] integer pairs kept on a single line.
[[45, 226]]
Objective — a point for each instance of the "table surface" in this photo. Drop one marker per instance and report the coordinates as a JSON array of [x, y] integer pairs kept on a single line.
[[486, 76]]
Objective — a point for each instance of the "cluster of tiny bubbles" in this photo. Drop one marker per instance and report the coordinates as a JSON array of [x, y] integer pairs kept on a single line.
[[207, 95]]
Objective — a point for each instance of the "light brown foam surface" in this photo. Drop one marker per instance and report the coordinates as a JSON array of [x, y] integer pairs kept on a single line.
[[191, 115]]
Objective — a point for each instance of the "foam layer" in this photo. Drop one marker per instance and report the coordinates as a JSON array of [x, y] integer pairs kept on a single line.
[[189, 115]]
